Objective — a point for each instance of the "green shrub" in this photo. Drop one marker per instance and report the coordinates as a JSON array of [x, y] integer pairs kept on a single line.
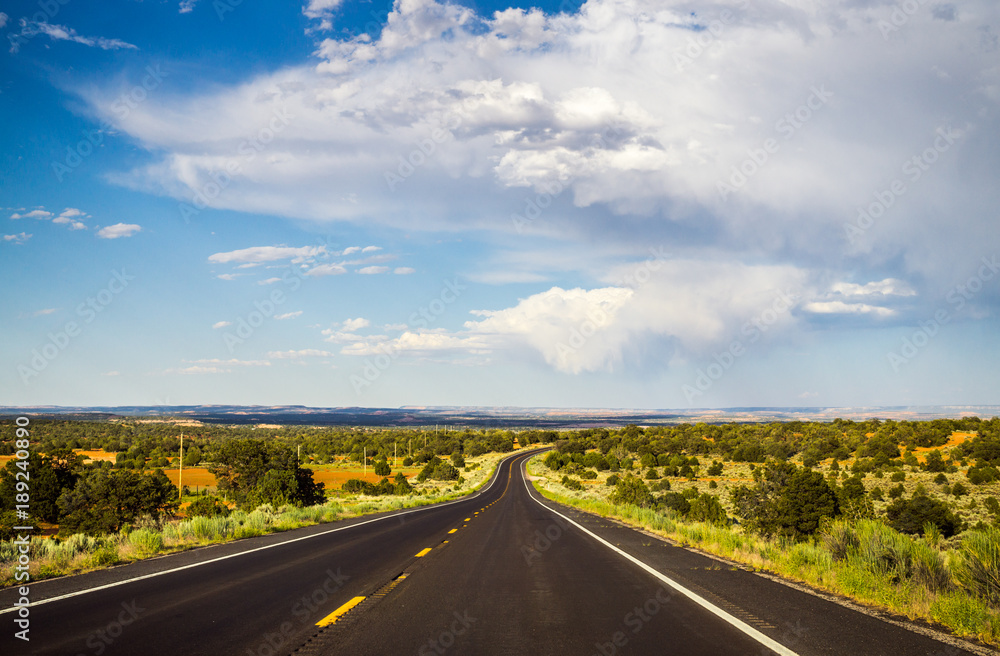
[[978, 565], [631, 490], [146, 542], [571, 483], [207, 506], [910, 516], [706, 508]]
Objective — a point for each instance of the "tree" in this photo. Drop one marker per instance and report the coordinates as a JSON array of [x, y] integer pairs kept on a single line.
[[47, 477], [102, 501], [402, 486], [631, 490], [382, 467], [786, 501], [707, 508], [910, 515], [206, 506], [934, 462], [252, 472], [192, 456], [854, 502]]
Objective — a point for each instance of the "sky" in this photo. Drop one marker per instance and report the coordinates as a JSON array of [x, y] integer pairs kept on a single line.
[[616, 203]]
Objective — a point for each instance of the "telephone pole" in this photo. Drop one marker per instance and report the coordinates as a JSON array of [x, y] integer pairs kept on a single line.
[[180, 471]]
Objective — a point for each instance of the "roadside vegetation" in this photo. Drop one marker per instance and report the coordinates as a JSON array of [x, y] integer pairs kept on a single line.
[[903, 516], [97, 508], [900, 516]]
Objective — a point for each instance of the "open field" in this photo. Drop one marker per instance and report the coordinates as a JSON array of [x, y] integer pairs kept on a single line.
[[332, 476]]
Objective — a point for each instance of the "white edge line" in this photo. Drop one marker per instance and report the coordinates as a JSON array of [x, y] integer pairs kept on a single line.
[[33, 604], [771, 644]]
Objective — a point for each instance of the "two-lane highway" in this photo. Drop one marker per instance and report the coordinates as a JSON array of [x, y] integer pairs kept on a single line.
[[501, 572]]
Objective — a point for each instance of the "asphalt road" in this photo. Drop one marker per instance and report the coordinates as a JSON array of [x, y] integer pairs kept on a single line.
[[501, 572]]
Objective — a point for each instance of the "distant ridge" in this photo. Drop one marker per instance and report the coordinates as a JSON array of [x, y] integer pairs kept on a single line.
[[495, 417]]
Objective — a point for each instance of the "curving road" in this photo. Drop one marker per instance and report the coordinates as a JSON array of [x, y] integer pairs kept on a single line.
[[500, 572]]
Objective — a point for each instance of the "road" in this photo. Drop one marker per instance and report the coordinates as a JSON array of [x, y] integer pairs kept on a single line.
[[501, 572]]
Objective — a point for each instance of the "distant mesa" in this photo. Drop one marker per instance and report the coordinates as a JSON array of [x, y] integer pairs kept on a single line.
[[486, 416]]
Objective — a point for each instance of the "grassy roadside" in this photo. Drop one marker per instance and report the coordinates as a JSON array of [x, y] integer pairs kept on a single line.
[[864, 560], [82, 553]]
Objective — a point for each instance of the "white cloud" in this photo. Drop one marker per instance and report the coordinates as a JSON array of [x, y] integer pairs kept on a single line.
[[351, 325], [686, 307], [372, 270], [258, 254], [70, 216], [340, 336], [531, 114], [288, 315], [839, 307], [197, 369], [371, 249], [63, 33], [887, 287], [33, 214], [41, 313], [221, 324], [19, 238], [187, 6], [111, 373], [404, 271], [321, 8], [118, 230], [268, 281], [3, 19], [229, 276], [302, 353], [232, 362], [326, 270]]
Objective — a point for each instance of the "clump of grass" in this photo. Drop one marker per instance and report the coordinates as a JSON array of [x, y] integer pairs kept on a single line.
[[978, 564], [146, 542]]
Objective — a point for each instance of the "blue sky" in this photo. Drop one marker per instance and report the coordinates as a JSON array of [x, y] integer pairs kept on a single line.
[[616, 203]]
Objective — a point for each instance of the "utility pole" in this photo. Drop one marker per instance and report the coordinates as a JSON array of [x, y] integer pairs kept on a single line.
[[364, 460], [395, 464], [180, 471]]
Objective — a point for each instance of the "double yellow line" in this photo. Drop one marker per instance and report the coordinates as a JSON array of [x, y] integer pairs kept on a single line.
[[343, 610]]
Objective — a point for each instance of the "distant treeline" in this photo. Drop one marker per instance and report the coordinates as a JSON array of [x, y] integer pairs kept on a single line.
[[156, 443]]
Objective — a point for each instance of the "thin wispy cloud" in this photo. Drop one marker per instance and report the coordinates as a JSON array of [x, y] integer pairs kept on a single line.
[[31, 29]]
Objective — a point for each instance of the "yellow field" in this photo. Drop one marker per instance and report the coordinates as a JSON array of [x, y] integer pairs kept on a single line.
[[95, 454], [192, 476], [954, 440], [333, 477]]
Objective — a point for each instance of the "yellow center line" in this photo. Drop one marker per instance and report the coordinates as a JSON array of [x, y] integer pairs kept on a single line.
[[423, 553], [335, 615], [467, 519], [453, 530]]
